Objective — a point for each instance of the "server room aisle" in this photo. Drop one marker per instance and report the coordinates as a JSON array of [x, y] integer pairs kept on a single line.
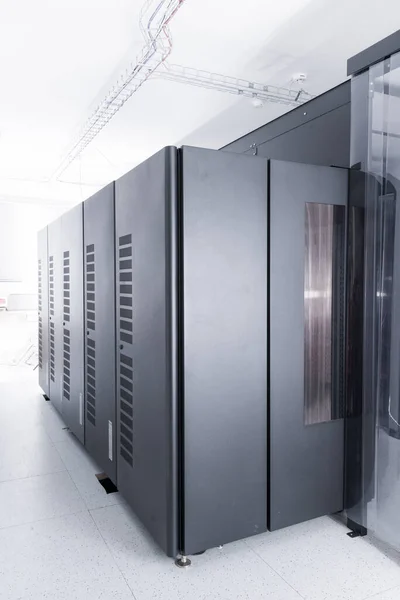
[[62, 537]]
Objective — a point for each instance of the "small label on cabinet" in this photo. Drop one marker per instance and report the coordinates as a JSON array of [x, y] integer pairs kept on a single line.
[[110, 440], [80, 409]]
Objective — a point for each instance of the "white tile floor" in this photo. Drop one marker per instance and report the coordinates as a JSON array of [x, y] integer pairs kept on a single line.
[[63, 538]]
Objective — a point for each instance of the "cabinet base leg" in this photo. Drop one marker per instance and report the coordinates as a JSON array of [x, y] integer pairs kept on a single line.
[[183, 562]]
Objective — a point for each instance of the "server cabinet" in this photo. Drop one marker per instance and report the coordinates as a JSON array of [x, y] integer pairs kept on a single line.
[[147, 355], [43, 312], [100, 412], [55, 313], [191, 255], [72, 320], [307, 242], [224, 229]]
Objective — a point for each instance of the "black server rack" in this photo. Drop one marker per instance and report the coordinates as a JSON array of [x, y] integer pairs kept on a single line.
[[55, 314], [199, 305], [99, 247], [43, 312], [191, 256], [70, 306], [307, 336]]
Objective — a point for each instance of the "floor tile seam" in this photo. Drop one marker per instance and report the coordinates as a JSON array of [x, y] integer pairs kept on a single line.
[[33, 476], [79, 492], [44, 442], [47, 444], [48, 434], [108, 505], [85, 510], [70, 470], [42, 421], [89, 508], [274, 570], [105, 507], [396, 587], [111, 554], [60, 455]]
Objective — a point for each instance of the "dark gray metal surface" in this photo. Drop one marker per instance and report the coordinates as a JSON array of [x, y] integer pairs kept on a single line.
[[301, 135], [225, 347], [72, 320], [306, 462], [307, 144], [43, 312], [382, 49], [356, 468], [55, 313], [145, 201], [99, 260]]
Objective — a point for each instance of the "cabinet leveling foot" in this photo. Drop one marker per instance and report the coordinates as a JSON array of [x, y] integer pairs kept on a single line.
[[183, 562]]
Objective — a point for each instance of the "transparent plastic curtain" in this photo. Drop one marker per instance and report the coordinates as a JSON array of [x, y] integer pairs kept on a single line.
[[376, 150]]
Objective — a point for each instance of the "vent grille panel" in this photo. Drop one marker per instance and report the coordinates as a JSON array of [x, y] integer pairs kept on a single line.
[[52, 353], [125, 276], [40, 319], [90, 295], [66, 331], [51, 285], [51, 312]]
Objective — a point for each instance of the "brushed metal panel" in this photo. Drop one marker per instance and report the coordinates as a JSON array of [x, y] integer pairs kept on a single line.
[[323, 340]]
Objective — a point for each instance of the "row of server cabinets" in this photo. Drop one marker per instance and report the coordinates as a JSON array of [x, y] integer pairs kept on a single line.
[[175, 339]]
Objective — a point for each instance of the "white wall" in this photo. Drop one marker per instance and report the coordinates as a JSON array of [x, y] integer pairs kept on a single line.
[[19, 224]]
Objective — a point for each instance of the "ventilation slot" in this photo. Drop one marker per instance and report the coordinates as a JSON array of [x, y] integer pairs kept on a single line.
[[90, 343], [52, 360], [66, 287], [126, 408], [66, 331], [125, 276], [51, 311], [51, 285], [125, 289], [40, 320]]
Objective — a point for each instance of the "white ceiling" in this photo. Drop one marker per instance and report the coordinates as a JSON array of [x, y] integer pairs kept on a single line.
[[57, 57]]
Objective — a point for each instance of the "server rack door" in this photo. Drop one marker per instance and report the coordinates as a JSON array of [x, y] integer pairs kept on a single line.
[[55, 313], [72, 321], [225, 208], [43, 312], [307, 258], [145, 204], [99, 249]]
